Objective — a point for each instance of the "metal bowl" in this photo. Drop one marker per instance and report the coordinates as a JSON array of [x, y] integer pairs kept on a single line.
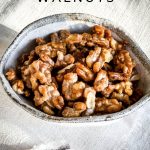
[[76, 23]]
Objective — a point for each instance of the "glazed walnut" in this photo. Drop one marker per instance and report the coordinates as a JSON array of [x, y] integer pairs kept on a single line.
[[63, 61], [123, 91], [84, 72], [104, 105], [98, 58], [74, 38], [40, 41], [90, 96], [108, 90], [65, 70], [50, 49], [63, 34], [50, 95], [72, 89], [114, 76], [104, 57], [78, 108], [18, 86], [11, 74], [93, 56], [36, 72], [100, 30], [124, 62], [121, 97], [30, 58], [101, 81], [78, 74], [70, 112]]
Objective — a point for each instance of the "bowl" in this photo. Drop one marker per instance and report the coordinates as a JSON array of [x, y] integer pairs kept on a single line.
[[75, 22]]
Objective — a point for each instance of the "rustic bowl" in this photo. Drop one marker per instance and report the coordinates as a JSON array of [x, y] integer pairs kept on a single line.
[[76, 23]]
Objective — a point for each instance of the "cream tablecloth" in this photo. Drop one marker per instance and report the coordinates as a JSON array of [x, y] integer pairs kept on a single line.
[[19, 130]]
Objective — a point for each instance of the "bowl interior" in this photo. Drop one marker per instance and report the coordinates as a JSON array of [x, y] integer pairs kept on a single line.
[[75, 23]]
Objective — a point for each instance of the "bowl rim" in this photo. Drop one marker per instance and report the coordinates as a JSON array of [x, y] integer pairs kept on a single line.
[[86, 119]]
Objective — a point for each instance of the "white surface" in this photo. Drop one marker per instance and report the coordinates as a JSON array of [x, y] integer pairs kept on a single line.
[[20, 130]]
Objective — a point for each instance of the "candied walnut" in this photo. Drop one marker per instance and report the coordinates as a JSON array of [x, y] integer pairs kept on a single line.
[[108, 90], [40, 41], [102, 42], [104, 105], [101, 81], [113, 76], [89, 95], [113, 43], [50, 49], [85, 73], [58, 102], [54, 37], [22, 59], [69, 59], [67, 68], [124, 87], [46, 47], [74, 38], [25, 72], [108, 33], [58, 46], [30, 58], [100, 30], [47, 109], [11, 74], [64, 60], [63, 34], [120, 88], [70, 112], [104, 57], [86, 39], [42, 94], [121, 97], [77, 90], [69, 80], [79, 106], [93, 56], [37, 71], [72, 89], [98, 58], [122, 91], [62, 72], [48, 94], [18, 86], [44, 57], [71, 47], [124, 62]]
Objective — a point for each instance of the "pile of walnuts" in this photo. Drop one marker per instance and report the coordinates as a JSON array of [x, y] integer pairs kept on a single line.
[[75, 74]]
